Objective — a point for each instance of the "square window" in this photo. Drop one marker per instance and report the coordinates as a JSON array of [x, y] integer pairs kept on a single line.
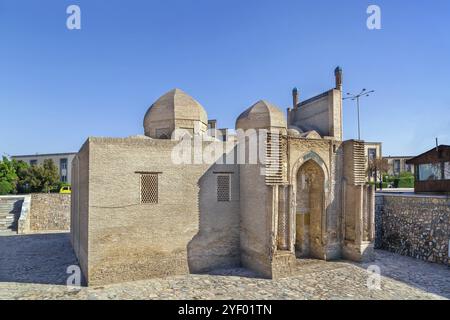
[[223, 188], [149, 188]]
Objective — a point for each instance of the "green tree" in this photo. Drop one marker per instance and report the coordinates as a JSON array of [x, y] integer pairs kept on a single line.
[[22, 170], [32, 179], [50, 176], [37, 178], [8, 177]]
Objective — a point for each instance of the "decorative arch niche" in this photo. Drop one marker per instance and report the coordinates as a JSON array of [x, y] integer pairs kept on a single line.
[[310, 192]]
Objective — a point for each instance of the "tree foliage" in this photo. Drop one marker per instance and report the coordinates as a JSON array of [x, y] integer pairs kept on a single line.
[[378, 166], [22, 170], [49, 176], [8, 176], [19, 177]]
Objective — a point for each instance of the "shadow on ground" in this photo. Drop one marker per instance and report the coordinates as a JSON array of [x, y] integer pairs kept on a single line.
[[426, 276], [44, 259], [233, 272], [36, 258]]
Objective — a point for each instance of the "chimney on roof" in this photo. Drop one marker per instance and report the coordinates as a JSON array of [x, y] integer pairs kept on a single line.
[[294, 98], [338, 77]]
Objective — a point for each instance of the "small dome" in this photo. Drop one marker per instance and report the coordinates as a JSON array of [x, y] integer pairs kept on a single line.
[[293, 133], [313, 134], [262, 115], [175, 109]]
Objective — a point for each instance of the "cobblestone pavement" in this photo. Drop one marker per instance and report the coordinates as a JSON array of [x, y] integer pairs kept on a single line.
[[34, 267]]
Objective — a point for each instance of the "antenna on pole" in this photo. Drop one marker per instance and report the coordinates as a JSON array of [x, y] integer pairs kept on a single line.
[[437, 144]]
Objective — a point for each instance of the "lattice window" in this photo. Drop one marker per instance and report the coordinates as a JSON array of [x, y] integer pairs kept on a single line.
[[163, 133], [149, 188], [223, 188], [276, 151]]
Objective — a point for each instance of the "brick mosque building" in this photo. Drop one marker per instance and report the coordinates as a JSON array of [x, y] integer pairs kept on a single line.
[[145, 207]]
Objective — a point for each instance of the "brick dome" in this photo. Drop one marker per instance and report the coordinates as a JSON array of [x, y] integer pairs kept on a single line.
[[174, 110], [262, 115]]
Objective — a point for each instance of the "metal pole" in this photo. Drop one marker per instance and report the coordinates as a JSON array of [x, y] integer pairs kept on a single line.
[[359, 128], [363, 93]]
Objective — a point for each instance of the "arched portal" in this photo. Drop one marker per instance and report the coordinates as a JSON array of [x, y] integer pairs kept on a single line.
[[310, 197]]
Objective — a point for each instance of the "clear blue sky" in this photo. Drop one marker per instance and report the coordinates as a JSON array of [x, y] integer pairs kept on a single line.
[[57, 86]]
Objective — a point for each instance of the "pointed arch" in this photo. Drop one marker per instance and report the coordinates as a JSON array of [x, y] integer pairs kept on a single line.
[[316, 158], [313, 157]]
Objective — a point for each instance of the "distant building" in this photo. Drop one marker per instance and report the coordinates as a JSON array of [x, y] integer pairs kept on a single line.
[[63, 162], [372, 151], [399, 164], [432, 170]]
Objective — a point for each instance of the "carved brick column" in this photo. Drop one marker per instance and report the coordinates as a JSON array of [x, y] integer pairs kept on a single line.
[[283, 218]]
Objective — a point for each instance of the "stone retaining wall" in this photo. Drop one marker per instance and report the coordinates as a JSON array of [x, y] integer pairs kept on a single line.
[[414, 225], [50, 212]]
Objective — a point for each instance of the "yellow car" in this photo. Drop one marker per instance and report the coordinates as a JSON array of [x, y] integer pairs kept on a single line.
[[65, 189]]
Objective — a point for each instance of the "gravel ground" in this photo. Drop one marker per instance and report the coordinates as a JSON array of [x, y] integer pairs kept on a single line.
[[34, 267]]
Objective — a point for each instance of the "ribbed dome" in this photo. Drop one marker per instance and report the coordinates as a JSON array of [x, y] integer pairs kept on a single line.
[[262, 115], [175, 109]]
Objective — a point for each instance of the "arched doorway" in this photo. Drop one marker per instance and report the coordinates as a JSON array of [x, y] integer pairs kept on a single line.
[[309, 210]]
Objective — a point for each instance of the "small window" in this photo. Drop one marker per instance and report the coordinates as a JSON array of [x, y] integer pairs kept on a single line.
[[372, 154], [63, 164], [223, 188], [396, 167], [149, 188], [447, 170]]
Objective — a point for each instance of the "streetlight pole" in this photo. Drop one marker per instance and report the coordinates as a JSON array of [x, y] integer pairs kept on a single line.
[[359, 126], [363, 93]]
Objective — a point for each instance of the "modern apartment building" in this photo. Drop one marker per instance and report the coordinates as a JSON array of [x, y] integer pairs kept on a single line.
[[62, 160], [398, 164]]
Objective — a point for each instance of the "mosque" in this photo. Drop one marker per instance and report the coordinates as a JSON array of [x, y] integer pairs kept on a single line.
[[138, 212]]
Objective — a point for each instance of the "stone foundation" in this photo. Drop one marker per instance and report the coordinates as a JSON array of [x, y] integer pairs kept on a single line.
[[414, 225], [50, 212]]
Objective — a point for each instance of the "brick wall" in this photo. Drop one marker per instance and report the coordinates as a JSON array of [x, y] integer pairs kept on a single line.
[[117, 238], [414, 225], [50, 212]]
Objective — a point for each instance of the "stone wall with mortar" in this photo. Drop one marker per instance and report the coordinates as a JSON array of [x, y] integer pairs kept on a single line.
[[414, 225], [50, 212]]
